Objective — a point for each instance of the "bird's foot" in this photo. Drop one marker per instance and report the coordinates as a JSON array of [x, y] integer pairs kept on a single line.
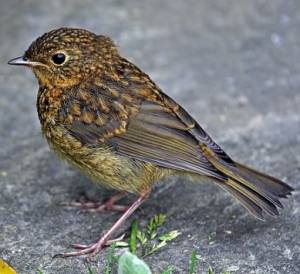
[[90, 250], [105, 239], [92, 206]]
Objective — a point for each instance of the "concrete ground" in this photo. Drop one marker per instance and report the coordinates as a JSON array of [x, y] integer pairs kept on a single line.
[[233, 64]]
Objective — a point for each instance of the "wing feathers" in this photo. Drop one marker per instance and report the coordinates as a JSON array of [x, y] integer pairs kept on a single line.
[[139, 121], [162, 145]]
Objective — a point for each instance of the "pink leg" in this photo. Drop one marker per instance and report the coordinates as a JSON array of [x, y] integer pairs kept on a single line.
[[97, 247], [108, 205]]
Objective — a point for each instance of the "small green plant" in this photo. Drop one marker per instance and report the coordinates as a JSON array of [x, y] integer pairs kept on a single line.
[[111, 259], [145, 242], [142, 242], [192, 263], [133, 237], [154, 223]]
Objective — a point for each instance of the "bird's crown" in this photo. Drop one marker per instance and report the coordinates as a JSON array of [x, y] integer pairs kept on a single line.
[[66, 56]]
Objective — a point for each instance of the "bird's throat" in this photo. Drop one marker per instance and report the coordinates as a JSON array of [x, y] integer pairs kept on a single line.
[[48, 104]]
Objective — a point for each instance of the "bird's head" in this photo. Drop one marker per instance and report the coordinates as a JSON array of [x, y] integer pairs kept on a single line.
[[66, 56]]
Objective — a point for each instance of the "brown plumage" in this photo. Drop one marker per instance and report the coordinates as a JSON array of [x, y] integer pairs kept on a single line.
[[108, 118]]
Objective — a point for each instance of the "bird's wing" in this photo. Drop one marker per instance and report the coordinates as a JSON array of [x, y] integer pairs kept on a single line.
[[146, 130], [137, 120], [156, 135]]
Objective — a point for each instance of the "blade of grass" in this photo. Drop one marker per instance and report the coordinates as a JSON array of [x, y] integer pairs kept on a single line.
[[192, 264], [210, 270], [134, 231]]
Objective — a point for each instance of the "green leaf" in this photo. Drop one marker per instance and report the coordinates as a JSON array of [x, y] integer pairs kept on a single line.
[[133, 234], [141, 237], [169, 236], [121, 244], [192, 264], [145, 241], [131, 264], [155, 247], [210, 270], [154, 223]]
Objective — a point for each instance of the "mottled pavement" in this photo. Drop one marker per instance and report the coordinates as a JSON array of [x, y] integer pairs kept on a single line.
[[233, 64]]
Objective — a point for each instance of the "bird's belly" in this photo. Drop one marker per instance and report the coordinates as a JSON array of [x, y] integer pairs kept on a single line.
[[101, 164]]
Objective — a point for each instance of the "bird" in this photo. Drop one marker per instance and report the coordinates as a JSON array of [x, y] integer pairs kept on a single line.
[[105, 116]]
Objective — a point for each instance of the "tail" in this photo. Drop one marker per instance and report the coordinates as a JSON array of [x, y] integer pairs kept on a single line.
[[256, 191]]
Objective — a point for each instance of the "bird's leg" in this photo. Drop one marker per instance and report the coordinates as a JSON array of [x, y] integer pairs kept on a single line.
[[97, 247], [108, 205]]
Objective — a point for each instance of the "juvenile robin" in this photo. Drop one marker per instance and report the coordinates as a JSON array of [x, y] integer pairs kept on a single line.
[[108, 118]]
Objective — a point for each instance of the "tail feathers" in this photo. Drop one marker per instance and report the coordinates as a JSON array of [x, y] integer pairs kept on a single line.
[[271, 184], [253, 201], [256, 191], [251, 206]]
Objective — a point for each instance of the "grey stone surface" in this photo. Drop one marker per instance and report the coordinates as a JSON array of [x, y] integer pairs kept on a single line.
[[233, 64]]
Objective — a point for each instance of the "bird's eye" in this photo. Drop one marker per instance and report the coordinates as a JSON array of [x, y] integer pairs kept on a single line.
[[59, 58]]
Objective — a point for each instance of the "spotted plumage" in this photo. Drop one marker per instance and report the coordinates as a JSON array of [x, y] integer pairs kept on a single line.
[[104, 115]]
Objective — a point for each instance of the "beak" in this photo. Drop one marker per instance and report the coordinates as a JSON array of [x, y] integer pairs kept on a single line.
[[23, 61]]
